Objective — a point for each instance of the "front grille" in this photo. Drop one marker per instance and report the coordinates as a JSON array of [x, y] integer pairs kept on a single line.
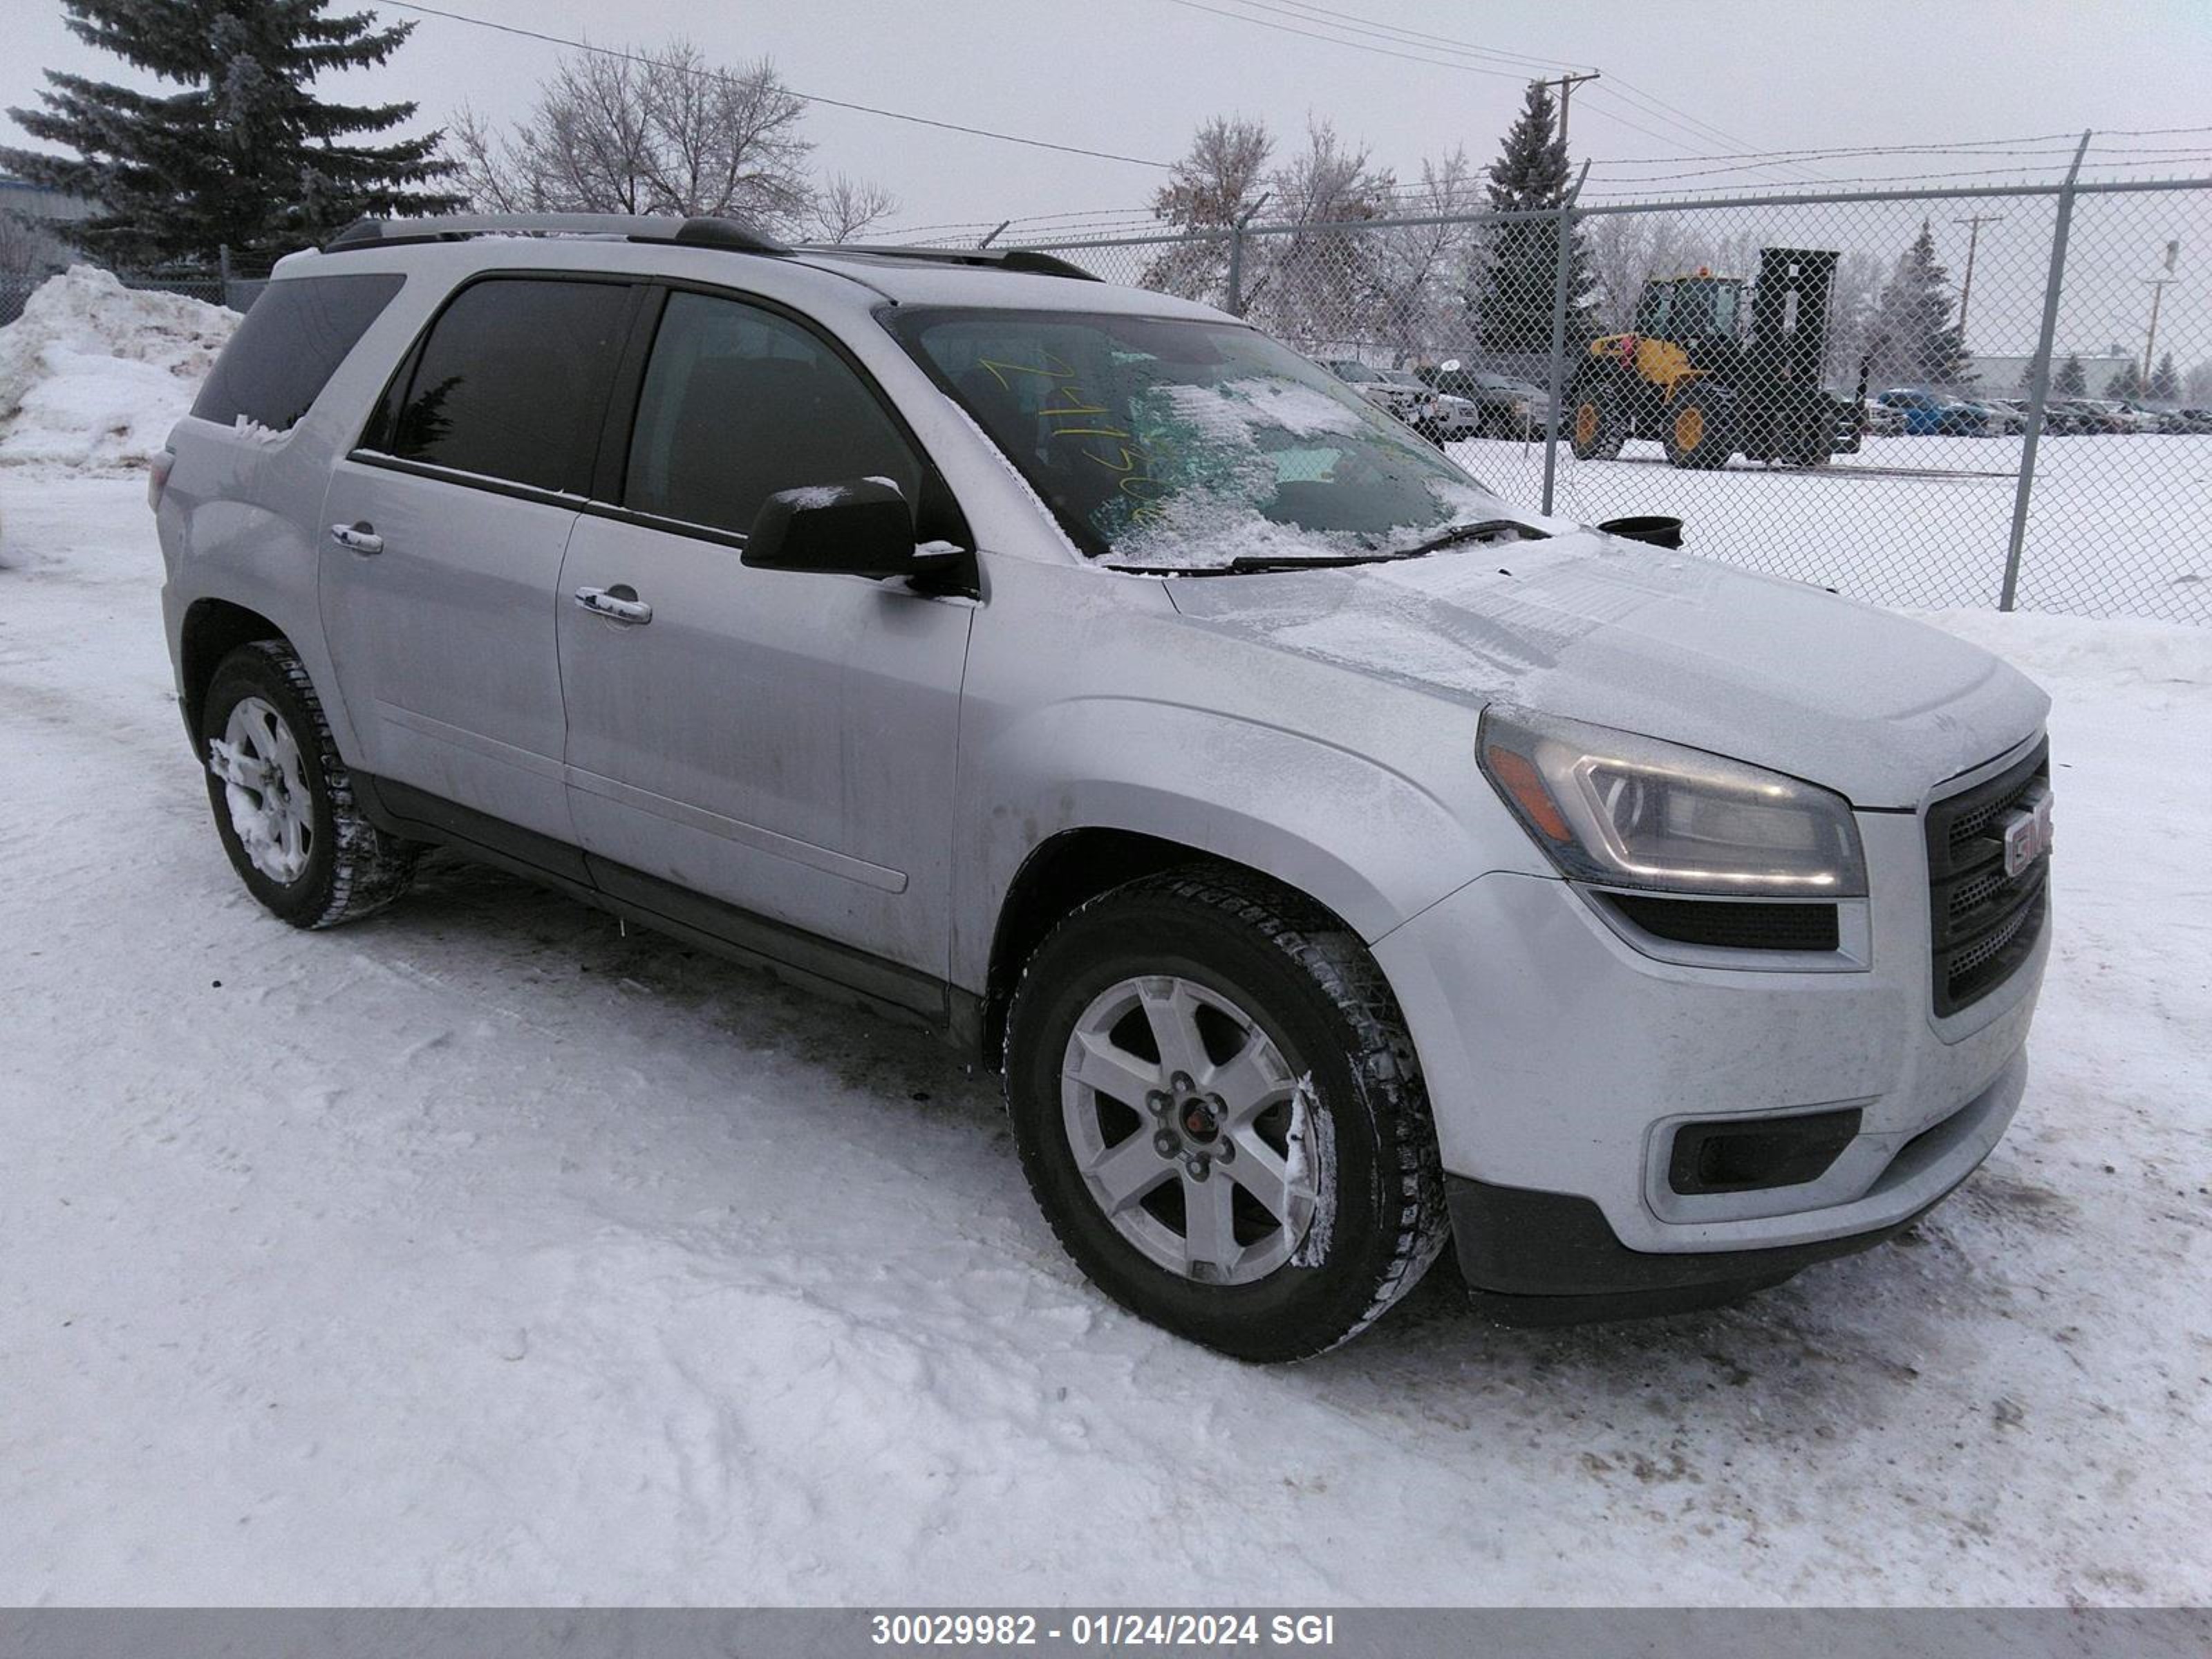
[[1983, 923]]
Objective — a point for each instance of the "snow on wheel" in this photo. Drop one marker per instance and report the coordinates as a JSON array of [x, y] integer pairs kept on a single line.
[[283, 801], [1219, 1112]]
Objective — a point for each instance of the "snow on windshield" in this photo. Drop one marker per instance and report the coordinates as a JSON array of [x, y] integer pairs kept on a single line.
[[1232, 408], [1253, 467]]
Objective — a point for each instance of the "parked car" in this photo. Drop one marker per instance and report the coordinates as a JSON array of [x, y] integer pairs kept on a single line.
[[2122, 416], [2078, 415], [1927, 415], [1391, 390], [2166, 419], [1504, 407], [1997, 419], [1883, 420], [1336, 861]]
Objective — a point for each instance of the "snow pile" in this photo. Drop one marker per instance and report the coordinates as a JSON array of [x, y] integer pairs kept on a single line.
[[2113, 652], [94, 374]]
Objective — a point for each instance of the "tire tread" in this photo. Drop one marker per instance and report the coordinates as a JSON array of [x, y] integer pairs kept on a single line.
[[368, 869]]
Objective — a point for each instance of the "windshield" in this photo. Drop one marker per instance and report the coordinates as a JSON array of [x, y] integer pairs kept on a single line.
[[1706, 305], [1189, 445]]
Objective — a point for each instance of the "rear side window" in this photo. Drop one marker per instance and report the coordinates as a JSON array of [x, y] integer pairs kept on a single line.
[[739, 402], [289, 345], [512, 383]]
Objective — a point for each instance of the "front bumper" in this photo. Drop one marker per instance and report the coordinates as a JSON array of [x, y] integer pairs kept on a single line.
[[1561, 1061], [1538, 1258]]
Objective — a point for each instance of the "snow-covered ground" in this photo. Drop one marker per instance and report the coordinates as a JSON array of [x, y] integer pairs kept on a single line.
[[480, 1253], [2118, 527]]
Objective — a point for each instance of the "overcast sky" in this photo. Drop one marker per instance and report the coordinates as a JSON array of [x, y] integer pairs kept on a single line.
[[1135, 76]]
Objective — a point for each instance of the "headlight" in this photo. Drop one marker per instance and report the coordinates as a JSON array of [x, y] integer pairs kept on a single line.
[[1626, 811]]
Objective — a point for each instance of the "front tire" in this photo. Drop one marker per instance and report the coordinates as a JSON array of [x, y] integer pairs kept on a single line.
[[283, 801], [1219, 1111], [1698, 430]]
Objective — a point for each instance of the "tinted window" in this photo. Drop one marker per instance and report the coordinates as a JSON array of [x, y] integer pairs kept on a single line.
[[289, 345], [738, 404], [512, 381]]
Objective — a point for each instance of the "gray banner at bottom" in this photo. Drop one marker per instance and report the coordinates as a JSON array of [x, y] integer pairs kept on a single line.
[[772, 1633]]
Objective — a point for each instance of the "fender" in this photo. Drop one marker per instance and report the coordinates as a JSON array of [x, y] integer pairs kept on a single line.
[[1368, 842]]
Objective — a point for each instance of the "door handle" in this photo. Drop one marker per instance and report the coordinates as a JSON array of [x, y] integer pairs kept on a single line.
[[361, 538], [621, 605]]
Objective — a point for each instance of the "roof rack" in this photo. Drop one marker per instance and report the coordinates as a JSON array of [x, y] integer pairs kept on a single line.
[[1025, 259], [725, 234]]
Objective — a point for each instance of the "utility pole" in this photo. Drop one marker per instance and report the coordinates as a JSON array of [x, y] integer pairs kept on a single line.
[[1973, 238], [1566, 84], [2158, 287]]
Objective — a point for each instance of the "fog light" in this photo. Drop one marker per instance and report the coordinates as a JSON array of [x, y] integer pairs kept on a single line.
[[1735, 1155]]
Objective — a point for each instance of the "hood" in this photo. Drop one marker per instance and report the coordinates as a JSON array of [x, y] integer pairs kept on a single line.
[[1786, 676]]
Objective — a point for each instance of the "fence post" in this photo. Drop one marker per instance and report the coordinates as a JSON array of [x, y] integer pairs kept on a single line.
[[2039, 387], [1560, 330], [1235, 306]]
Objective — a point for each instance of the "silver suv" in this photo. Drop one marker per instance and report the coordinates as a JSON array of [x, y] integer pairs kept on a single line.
[[1336, 860]]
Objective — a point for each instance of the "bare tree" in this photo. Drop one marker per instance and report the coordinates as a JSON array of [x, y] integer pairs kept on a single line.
[[1317, 280], [647, 131], [1626, 249], [1416, 262], [846, 207], [1219, 181], [27, 248]]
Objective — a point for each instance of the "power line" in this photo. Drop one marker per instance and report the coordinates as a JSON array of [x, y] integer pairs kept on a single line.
[[1637, 186], [1702, 132], [1381, 30], [1977, 148], [1633, 96], [1338, 40], [804, 97]]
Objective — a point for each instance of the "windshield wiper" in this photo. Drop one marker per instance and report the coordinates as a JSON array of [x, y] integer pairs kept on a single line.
[[1250, 563], [1480, 531]]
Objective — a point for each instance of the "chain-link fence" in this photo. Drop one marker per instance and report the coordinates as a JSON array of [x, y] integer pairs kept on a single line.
[[1998, 396], [236, 292]]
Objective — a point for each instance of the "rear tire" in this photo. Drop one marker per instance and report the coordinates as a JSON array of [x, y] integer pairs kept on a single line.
[[1597, 425], [283, 801], [1273, 1079]]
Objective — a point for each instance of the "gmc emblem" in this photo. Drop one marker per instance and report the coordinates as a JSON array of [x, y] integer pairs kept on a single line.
[[2027, 834]]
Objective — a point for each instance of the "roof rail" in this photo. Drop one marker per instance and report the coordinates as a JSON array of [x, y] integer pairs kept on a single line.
[[996, 258], [701, 232]]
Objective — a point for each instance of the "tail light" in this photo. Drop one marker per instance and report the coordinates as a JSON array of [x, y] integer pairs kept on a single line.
[[157, 478]]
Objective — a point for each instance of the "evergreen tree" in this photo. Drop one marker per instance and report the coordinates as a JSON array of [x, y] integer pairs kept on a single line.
[[2165, 381], [1913, 333], [2128, 383], [244, 155], [2072, 381], [1517, 267]]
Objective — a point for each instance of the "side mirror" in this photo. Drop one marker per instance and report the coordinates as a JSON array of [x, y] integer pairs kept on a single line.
[[861, 527]]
